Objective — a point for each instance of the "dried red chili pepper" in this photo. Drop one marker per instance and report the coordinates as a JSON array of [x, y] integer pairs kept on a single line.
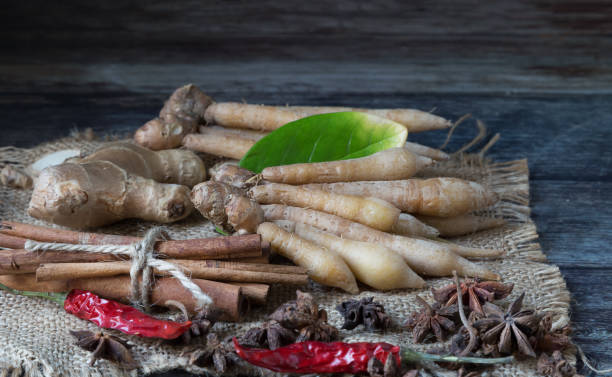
[[110, 314], [339, 357]]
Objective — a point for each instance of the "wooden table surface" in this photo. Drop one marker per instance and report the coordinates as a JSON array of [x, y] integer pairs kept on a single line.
[[538, 72]]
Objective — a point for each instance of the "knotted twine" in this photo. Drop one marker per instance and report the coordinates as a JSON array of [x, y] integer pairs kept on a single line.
[[144, 260]]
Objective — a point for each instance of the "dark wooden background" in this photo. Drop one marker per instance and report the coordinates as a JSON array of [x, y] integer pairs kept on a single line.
[[538, 72]]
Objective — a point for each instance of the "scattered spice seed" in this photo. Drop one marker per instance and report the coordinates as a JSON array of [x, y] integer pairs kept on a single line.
[[475, 292], [501, 328], [105, 347], [432, 318], [365, 311]]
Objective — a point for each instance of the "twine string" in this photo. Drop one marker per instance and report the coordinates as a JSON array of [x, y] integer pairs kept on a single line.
[[144, 261]]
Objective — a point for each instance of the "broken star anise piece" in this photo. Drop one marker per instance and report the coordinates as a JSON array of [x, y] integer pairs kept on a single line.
[[318, 330], [268, 335], [548, 340], [432, 318], [509, 328], [105, 347], [297, 313], [201, 323], [365, 311], [475, 292], [219, 354], [555, 366]]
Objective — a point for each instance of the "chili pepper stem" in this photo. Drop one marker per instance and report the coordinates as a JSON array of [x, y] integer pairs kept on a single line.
[[409, 355], [57, 297]]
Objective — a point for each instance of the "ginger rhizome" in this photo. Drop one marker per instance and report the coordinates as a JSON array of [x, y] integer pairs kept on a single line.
[[181, 115], [98, 193], [167, 166]]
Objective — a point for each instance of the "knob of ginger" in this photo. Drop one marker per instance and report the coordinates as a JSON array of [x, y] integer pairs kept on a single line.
[[99, 193]]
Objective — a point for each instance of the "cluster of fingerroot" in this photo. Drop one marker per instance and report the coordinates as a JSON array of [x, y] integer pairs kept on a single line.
[[495, 331]]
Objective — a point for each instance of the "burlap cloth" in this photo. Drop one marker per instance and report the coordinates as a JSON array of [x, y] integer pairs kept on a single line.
[[34, 338]]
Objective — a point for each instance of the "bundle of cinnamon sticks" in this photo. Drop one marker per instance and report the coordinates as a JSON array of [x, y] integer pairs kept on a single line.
[[231, 270]]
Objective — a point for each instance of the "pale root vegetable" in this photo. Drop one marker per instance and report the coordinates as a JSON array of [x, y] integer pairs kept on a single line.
[[463, 224], [268, 118], [443, 197], [324, 266], [99, 193], [425, 151], [211, 140], [372, 264], [408, 225], [180, 116], [14, 177], [369, 211], [226, 205], [390, 164], [424, 257], [167, 166], [233, 175], [240, 132]]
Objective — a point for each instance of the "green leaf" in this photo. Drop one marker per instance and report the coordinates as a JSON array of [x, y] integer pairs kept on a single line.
[[325, 137], [221, 231]]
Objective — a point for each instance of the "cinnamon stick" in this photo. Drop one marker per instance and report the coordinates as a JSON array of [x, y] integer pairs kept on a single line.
[[24, 262], [11, 242], [197, 269], [256, 293], [228, 298], [244, 246], [27, 282]]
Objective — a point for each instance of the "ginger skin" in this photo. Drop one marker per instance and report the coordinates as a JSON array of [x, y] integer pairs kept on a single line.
[[168, 166], [180, 116], [99, 193], [227, 206], [233, 175]]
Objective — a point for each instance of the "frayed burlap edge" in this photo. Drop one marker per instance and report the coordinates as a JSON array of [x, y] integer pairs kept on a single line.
[[545, 287]]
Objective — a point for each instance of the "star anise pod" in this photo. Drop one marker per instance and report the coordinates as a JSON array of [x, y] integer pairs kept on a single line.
[[547, 340], [201, 323], [365, 311], [509, 328], [268, 335], [432, 318], [318, 330], [105, 347], [389, 369], [555, 366], [474, 292], [219, 354], [298, 313]]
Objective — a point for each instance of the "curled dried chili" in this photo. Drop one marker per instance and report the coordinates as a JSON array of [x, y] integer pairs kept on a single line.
[[110, 314], [339, 357]]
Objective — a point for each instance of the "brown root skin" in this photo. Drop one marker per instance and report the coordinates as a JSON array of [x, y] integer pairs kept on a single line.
[[218, 143], [227, 206], [180, 116], [269, 118], [13, 177], [243, 214], [232, 175], [461, 225], [388, 165], [167, 166], [443, 197], [100, 193]]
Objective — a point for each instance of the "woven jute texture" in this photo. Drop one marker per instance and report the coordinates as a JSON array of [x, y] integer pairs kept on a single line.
[[34, 334]]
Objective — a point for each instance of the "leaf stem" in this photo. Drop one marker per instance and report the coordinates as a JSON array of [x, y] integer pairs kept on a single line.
[[57, 297], [409, 355]]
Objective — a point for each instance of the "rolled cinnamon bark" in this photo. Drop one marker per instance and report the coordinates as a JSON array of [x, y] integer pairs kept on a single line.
[[245, 246], [228, 298], [11, 242], [195, 269], [14, 262], [27, 282], [256, 293]]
